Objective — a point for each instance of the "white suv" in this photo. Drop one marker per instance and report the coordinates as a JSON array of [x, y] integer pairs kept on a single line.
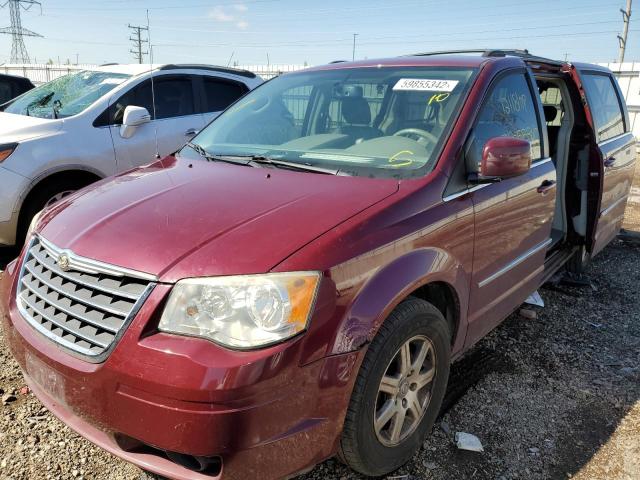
[[82, 127]]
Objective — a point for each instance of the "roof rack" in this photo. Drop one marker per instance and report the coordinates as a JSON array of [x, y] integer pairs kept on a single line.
[[110, 64], [233, 71], [494, 52]]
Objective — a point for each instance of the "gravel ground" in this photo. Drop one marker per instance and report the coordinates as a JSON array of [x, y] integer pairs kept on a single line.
[[551, 397], [557, 396]]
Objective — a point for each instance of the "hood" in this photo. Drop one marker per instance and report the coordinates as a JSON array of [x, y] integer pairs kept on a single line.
[[15, 128], [179, 218]]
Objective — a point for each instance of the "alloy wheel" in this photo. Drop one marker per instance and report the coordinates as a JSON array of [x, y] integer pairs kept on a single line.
[[57, 197], [404, 391]]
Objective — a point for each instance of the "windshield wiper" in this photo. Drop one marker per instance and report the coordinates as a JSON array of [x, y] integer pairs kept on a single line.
[[215, 158], [260, 160], [41, 102]]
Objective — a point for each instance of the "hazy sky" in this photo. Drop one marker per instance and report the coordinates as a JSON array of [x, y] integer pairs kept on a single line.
[[291, 31]]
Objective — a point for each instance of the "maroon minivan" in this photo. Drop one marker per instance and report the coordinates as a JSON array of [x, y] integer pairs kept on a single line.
[[295, 282]]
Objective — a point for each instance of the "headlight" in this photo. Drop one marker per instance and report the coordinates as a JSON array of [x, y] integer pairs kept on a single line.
[[6, 150], [245, 311], [33, 224]]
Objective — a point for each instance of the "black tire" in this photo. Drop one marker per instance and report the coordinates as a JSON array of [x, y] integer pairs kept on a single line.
[[37, 201], [360, 447]]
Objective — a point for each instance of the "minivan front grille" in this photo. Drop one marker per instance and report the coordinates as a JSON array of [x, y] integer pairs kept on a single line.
[[79, 303]]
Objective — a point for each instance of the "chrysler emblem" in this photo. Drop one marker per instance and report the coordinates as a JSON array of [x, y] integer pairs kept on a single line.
[[63, 262]]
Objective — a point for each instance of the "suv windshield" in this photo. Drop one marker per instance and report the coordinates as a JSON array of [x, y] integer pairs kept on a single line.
[[380, 122], [65, 96]]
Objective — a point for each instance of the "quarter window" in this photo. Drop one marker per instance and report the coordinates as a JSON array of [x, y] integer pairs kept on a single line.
[[508, 112], [605, 106]]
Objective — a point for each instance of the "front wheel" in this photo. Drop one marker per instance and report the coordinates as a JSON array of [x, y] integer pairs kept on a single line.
[[399, 389], [44, 197]]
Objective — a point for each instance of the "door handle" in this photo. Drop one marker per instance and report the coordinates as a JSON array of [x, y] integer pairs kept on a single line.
[[609, 162], [546, 186], [191, 132]]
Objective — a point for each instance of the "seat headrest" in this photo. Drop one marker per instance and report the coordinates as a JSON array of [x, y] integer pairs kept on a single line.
[[550, 113], [356, 111]]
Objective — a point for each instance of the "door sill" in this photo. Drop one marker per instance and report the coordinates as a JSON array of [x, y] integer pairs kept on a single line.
[[555, 261]]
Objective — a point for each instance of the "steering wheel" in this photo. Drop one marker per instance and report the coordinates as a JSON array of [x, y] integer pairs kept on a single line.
[[417, 132]]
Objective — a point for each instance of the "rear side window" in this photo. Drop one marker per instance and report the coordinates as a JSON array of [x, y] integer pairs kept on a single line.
[[605, 105], [219, 94], [508, 112]]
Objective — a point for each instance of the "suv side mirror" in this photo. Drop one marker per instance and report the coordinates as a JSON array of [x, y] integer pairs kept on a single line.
[[504, 157], [133, 118]]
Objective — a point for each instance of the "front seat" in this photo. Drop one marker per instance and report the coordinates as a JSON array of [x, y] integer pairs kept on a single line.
[[357, 114]]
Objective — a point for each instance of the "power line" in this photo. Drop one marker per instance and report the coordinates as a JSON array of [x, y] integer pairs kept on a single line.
[[626, 17], [18, 49], [138, 42]]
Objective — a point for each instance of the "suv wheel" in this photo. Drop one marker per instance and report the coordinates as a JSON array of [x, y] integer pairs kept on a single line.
[[57, 197], [399, 389], [46, 196]]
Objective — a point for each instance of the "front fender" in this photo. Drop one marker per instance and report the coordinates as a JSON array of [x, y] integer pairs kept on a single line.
[[391, 284]]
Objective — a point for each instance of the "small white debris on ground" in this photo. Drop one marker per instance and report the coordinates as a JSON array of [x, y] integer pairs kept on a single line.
[[466, 441], [535, 299]]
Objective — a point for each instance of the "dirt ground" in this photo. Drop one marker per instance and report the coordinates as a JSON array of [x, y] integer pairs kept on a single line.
[[553, 397]]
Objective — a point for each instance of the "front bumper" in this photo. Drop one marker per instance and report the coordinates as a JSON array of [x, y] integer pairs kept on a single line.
[[261, 413]]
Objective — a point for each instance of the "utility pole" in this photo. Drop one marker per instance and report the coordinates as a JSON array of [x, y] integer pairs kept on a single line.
[[626, 17], [353, 56], [18, 50], [138, 41]]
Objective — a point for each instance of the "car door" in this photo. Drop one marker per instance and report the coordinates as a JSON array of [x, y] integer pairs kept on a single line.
[[513, 217], [175, 122], [217, 94], [615, 155]]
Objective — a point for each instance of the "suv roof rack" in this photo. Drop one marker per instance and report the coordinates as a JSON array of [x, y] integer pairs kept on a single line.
[[494, 52], [233, 71]]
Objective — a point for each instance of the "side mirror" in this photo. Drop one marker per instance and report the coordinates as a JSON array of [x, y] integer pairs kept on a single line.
[[133, 118], [504, 157]]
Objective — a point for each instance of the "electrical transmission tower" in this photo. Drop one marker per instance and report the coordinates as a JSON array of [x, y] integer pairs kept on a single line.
[[138, 42], [18, 50]]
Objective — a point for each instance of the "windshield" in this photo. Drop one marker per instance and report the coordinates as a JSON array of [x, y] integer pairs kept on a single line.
[[65, 96], [380, 122]]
